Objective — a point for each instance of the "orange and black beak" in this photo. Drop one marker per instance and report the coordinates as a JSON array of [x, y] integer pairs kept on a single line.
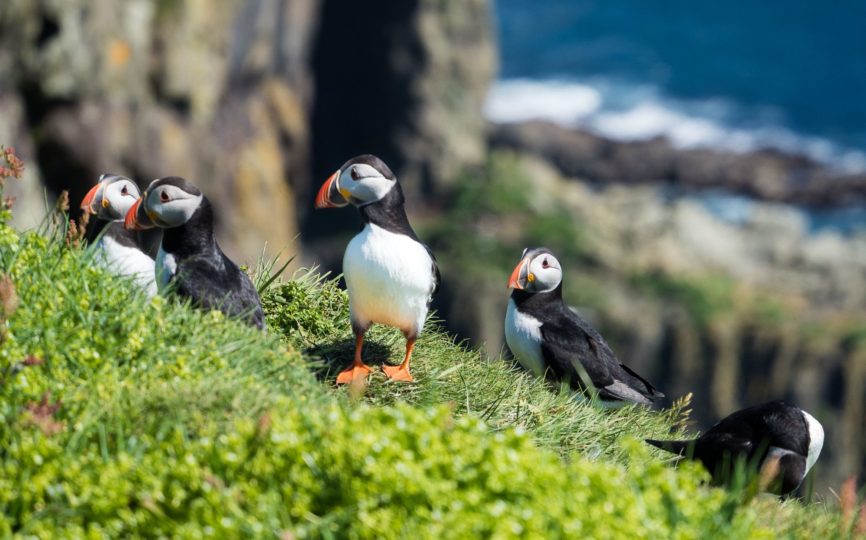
[[137, 219], [521, 275], [91, 198], [329, 194]]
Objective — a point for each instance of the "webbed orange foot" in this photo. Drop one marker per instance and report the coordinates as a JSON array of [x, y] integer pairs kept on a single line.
[[355, 372], [398, 373]]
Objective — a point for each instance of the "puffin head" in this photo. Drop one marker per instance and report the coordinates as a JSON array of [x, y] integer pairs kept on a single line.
[[538, 271], [166, 203], [362, 180], [111, 198]]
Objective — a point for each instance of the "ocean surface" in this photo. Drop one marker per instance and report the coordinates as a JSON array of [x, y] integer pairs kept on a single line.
[[736, 75]]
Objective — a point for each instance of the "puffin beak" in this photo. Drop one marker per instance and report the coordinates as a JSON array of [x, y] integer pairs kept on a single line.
[[136, 218], [90, 198], [329, 194], [520, 276]]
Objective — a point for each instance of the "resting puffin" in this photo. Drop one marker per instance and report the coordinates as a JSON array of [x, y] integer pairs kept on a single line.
[[119, 248], [759, 434], [189, 258], [548, 338], [390, 275]]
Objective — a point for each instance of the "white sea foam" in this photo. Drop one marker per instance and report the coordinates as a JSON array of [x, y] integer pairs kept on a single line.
[[640, 112], [518, 100]]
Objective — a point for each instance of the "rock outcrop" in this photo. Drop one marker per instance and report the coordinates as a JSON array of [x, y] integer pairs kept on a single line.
[[767, 175]]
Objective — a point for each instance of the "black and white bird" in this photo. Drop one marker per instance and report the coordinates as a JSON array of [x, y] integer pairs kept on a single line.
[[119, 249], [770, 432], [549, 339], [189, 259], [390, 275]]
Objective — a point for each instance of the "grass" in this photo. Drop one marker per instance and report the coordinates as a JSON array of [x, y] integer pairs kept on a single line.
[[504, 396], [123, 416]]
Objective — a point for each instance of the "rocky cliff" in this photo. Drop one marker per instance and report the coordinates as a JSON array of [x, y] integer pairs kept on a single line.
[[252, 100]]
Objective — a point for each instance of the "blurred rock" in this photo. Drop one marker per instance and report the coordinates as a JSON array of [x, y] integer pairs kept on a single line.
[[405, 81], [219, 93], [768, 174], [222, 93]]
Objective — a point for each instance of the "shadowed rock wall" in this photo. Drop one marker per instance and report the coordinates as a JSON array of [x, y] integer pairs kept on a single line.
[[217, 92]]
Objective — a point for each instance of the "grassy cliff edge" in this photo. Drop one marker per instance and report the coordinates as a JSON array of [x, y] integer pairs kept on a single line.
[[128, 416]]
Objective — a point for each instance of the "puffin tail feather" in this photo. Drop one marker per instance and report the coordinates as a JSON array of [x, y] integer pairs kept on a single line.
[[674, 447]]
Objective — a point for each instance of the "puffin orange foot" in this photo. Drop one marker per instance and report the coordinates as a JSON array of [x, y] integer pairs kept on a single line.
[[398, 373], [355, 372]]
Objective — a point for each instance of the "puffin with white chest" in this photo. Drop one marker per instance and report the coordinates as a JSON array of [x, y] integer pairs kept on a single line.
[[549, 339], [189, 260], [775, 432], [119, 249], [390, 275]]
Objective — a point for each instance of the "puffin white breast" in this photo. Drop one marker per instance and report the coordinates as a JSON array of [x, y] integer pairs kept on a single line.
[[165, 267], [129, 261], [389, 277], [523, 335]]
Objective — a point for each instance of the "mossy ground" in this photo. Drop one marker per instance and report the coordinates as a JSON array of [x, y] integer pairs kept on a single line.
[[128, 416]]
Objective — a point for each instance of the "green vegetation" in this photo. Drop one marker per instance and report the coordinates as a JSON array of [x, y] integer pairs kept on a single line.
[[705, 299], [123, 416], [498, 211]]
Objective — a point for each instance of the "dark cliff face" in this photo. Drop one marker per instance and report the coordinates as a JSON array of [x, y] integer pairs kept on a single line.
[[363, 62], [404, 81], [255, 101]]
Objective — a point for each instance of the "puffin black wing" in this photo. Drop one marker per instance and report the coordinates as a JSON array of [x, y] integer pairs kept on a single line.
[[218, 283], [437, 276], [712, 448], [572, 348], [783, 425]]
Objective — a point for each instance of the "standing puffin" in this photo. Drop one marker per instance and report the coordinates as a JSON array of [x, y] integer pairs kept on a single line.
[[119, 248], [390, 275], [189, 258], [548, 338], [759, 434]]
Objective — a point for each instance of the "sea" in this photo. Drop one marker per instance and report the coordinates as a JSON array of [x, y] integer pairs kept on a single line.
[[737, 75]]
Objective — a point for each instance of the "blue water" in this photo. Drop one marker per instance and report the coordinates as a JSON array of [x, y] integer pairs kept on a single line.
[[739, 209], [777, 66]]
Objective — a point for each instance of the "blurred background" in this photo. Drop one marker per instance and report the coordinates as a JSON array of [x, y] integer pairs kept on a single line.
[[699, 167]]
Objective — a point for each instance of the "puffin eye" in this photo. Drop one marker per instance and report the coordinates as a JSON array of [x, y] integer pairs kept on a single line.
[[545, 264], [354, 173], [124, 191], [163, 196]]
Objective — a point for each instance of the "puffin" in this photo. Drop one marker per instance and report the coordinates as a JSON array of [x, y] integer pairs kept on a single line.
[[391, 276], [189, 262], [549, 339], [770, 432], [120, 250]]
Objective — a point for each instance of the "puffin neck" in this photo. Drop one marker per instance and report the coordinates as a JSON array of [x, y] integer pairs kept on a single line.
[[123, 236], [389, 213], [194, 236], [527, 301]]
